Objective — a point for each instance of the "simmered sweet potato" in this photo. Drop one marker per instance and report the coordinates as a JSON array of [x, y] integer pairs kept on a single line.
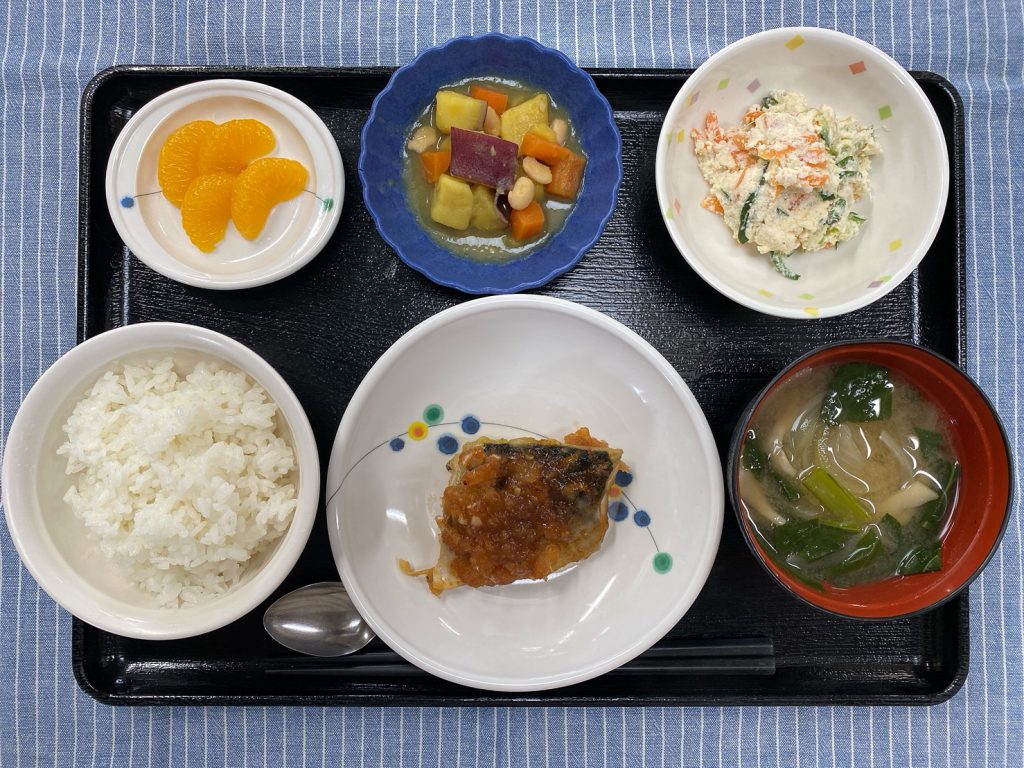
[[458, 109], [485, 213], [483, 159], [517, 120], [452, 202]]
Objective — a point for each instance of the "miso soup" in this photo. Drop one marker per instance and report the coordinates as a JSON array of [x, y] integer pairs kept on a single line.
[[848, 476]]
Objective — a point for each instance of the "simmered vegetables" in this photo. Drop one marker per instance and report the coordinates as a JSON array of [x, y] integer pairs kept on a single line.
[[496, 165], [847, 477]]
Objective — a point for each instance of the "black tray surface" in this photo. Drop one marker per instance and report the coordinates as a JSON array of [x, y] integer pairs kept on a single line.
[[323, 327]]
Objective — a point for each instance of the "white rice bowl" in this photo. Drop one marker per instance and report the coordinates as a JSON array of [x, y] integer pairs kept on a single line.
[[71, 561], [180, 475]]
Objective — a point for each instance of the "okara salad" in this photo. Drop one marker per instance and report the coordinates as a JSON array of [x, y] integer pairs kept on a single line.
[[789, 177]]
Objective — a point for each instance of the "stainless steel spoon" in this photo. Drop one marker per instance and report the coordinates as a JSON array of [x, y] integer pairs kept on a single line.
[[318, 620]]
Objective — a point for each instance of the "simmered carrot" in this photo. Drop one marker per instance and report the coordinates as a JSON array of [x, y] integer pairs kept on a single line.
[[566, 175], [528, 222], [497, 100], [435, 162], [540, 148]]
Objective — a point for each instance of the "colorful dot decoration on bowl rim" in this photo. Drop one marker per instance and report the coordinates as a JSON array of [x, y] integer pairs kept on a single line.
[[679, 136], [620, 506]]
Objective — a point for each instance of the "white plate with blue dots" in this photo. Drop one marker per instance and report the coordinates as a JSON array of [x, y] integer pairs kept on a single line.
[[296, 231], [523, 366]]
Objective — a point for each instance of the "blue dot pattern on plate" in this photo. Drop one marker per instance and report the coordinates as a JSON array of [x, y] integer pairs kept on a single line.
[[618, 511], [127, 202], [448, 444]]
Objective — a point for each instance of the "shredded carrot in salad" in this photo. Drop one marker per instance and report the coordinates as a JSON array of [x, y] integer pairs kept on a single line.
[[787, 176]]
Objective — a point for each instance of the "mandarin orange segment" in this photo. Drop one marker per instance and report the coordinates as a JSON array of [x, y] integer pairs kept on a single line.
[[179, 159], [260, 187], [231, 146], [206, 209]]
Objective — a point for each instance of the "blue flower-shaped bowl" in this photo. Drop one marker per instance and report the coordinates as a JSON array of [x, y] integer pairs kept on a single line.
[[409, 91]]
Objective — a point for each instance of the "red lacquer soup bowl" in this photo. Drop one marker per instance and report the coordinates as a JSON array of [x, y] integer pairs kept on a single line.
[[984, 496]]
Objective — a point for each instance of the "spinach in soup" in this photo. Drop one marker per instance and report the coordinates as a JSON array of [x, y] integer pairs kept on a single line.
[[848, 476]]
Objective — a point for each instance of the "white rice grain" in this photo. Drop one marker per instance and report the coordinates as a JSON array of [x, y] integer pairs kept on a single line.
[[181, 480]]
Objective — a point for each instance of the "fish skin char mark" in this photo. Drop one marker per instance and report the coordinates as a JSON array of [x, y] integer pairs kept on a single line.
[[581, 457], [571, 463]]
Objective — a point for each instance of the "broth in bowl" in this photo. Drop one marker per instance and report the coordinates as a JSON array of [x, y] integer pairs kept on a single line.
[[848, 476]]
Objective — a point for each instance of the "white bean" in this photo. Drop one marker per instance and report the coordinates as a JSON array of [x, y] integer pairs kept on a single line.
[[492, 123], [561, 129], [422, 139], [536, 170], [521, 194]]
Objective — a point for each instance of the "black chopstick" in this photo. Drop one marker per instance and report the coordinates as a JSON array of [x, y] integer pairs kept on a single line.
[[707, 656]]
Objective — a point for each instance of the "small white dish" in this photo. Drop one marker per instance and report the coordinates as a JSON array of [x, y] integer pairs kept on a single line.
[[514, 366], [910, 179], [296, 230], [55, 546]]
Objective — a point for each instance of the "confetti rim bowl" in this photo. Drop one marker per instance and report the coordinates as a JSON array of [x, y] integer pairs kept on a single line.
[[910, 178], [984, 496], [411, 88]]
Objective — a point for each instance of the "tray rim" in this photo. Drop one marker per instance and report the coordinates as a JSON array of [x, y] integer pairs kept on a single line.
[[475, 698]]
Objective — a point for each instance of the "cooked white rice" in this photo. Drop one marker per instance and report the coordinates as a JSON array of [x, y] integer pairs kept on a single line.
[[181, 480]]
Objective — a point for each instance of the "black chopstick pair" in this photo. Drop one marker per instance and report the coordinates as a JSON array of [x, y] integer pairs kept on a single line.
[[708, 656]]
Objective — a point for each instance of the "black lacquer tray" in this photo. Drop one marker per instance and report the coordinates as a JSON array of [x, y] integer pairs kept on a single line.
[[323, 328]]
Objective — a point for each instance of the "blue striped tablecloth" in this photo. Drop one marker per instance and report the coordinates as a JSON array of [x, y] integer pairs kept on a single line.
[[51, 51]]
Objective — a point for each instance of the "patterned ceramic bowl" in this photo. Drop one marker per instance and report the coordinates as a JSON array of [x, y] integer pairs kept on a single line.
[[412, 87], [508, 367], [910, 178], [984, 494]]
